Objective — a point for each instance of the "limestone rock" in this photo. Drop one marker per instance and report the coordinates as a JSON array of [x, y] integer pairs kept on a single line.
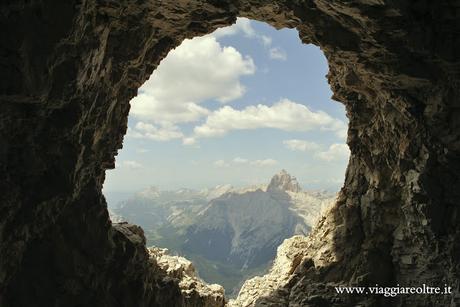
[[294, 255], [195, 291], [289, 255], [284, 182]]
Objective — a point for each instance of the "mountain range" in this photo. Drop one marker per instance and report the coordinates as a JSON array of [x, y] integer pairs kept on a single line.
[[229, 233]]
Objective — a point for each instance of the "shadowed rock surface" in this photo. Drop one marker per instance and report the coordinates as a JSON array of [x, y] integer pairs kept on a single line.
[[69, 69]]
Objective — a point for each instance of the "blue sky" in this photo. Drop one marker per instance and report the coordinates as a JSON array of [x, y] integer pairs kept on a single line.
[[234, 107]]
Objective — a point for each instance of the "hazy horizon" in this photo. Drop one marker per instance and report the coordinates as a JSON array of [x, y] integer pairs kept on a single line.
[[113, 197]]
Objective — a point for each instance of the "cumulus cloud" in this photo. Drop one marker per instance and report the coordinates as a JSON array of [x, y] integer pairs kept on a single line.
[[285, 115], [131, 164], [277, 53], [157, 133], [221, 163], [341, 130], [301, 145], [201, 69], [198, 70], [241, 161], [189, 141], [335, 152], [264, 162], [148, 108], [266, 40], [242, 25]]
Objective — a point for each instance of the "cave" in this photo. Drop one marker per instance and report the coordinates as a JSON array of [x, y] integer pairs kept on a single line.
[[226, 201], [69, 70]]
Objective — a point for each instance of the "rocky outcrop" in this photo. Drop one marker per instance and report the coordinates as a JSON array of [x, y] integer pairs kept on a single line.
[[297, 257], [69, 69], [194, 291], [288, 257]]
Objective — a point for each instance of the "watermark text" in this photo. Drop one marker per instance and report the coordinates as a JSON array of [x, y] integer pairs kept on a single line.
[[394, 291]]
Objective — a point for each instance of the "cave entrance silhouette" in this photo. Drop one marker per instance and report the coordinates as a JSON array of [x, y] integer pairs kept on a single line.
[[68, 73], [208, 97]]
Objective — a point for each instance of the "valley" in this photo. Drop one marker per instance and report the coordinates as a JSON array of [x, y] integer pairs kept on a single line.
[[230, 234]]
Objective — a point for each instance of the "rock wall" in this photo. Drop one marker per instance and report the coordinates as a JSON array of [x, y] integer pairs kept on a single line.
[[69, 69]]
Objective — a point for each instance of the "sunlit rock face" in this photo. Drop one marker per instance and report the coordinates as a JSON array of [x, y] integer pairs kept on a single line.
[[70, 68], [194, 291], [284, 182]]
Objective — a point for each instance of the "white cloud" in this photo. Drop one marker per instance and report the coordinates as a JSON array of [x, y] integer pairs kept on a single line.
[[301, 145], [221, 163], [242, 25], [341, 130], [265, 162], [130, 164], [285, 115], [148, 108], [277, 53], [161, 133], [266, 40], [201, 69], [189, 141], [239, 160], [198, 70], [242, 161], [335, 152]]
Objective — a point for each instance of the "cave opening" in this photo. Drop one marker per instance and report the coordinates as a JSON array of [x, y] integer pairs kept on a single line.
[[69, 71], [233, 145]]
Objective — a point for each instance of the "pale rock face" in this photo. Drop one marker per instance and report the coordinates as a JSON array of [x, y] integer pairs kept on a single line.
[[284, 182], [309, 205], [190, 284], [294, 255], [217, 191], [289, 254]]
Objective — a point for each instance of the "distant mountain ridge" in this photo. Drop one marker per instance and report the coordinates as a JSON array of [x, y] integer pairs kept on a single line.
[[226, 228], [246, 228]]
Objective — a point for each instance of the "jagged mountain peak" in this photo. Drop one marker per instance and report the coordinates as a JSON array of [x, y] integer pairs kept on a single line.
[[283, 181]]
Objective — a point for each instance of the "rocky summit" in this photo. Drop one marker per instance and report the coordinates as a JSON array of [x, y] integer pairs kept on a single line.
[[283, 182], [192, 287]]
